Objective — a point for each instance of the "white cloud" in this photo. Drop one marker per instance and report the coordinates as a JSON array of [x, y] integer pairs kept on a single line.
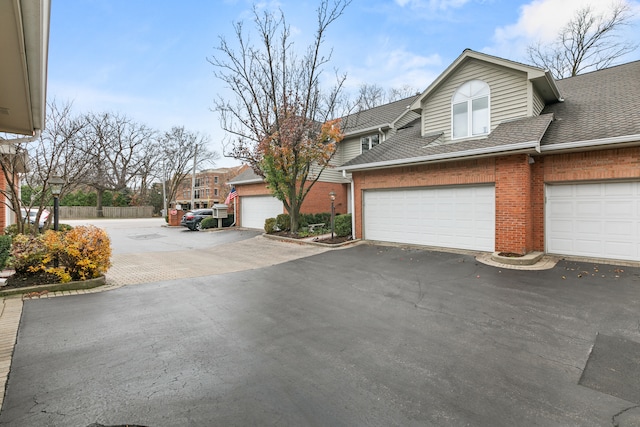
[[432, 4], [541, 20], [395, 69]]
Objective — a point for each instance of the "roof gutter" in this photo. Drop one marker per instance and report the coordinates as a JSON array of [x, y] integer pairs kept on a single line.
[[247, 181], [27, 139], [591, 143], [368, 130], [523, 146]]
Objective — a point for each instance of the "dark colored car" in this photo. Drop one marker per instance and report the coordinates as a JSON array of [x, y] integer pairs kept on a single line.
[[192, 219]]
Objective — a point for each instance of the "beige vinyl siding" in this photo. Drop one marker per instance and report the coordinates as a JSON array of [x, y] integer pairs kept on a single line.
[[331, 173], [508, 99], [349, 148], [538, 103]]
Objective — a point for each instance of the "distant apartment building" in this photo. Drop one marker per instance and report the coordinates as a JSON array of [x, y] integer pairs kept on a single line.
[[210, 187]]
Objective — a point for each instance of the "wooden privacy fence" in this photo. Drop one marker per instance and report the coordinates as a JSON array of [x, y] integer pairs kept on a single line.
[[80, 212]]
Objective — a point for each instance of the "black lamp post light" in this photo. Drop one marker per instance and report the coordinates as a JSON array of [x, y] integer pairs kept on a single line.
[[56, 183]]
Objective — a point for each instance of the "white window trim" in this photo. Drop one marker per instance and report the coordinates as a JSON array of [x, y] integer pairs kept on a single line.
[[380, 140], [469, 102]]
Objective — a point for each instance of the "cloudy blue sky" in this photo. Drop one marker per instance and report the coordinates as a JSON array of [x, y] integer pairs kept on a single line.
[[148, 58]]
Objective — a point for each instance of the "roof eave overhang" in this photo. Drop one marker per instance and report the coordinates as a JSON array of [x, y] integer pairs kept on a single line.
[[367, 130], [530, 147], [602, 143], [28, 50]]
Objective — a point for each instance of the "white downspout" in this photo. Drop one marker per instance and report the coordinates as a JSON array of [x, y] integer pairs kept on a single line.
[[353, 211]]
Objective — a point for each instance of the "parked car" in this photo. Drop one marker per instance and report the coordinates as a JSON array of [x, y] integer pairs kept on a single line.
[[31, 215], [192, 219]]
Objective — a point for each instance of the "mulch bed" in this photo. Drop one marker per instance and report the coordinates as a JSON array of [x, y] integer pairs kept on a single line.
[[329, 240], [18, 281]]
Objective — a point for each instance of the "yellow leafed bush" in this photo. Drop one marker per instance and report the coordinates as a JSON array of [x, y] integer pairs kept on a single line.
[[82, 253]]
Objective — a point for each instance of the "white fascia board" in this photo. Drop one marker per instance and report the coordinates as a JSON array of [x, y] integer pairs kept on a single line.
[[568, 146], [367, 130], [531, 145]]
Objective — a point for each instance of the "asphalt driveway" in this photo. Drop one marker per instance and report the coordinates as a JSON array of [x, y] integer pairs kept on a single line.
[[370, 335]]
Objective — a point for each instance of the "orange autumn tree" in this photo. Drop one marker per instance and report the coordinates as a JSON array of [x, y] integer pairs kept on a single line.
[[279, 117], [293, 157]]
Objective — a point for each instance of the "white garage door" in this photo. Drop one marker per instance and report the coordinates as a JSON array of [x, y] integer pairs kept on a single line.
[[594, 220], [255, 209], [452, 217]]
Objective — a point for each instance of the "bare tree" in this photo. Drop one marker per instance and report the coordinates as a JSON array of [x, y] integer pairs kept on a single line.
[[30, 166], [179, 147], [372, 95], [280, 120], [116, 148], [588, 42]]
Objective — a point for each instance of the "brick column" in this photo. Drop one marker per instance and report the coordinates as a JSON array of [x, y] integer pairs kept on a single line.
[[514, 213]]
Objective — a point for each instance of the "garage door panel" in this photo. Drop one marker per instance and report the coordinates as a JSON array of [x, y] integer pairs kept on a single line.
[[594, 219], [620, 208], [457, 217], [254, 210]]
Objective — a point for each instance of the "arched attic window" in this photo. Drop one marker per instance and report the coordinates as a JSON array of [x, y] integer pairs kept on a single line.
[[470, 110]]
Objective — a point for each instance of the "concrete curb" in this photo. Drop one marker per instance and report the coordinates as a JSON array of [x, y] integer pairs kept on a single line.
[[55, 287], [306, 241], [10, 314]]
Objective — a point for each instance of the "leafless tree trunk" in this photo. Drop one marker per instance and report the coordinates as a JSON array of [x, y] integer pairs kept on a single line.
[[588, 42]]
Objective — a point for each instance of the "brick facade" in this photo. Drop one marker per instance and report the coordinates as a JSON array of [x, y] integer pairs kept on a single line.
[[519, 186]]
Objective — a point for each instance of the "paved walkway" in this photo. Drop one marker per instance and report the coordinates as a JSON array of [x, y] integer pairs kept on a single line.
[[131, 269]]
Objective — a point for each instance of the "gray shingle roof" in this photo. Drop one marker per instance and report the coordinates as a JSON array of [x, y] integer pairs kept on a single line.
[[376, 116], [246, 175], [597, 105], [408, 145], [601, 104]]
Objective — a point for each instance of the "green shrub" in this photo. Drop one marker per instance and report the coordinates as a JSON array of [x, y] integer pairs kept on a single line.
[[342, 225], [322, 217], [270, 225], [12, 230], [283, 222], [5, 250], [209, 223], [226, 222], [305, 219]]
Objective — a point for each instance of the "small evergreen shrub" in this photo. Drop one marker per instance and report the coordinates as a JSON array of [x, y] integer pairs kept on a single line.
[[270, 225], [209, 223], [283, 222], [5, 250], [226, 222], [342, 225], [322, 217]]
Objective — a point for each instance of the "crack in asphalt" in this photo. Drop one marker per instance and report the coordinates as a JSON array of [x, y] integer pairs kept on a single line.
[[614, 422]]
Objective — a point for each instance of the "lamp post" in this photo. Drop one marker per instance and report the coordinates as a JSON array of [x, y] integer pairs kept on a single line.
[[332, 195], [56, 183]]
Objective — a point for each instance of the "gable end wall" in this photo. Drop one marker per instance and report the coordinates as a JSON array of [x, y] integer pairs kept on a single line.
[[509, 99]]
